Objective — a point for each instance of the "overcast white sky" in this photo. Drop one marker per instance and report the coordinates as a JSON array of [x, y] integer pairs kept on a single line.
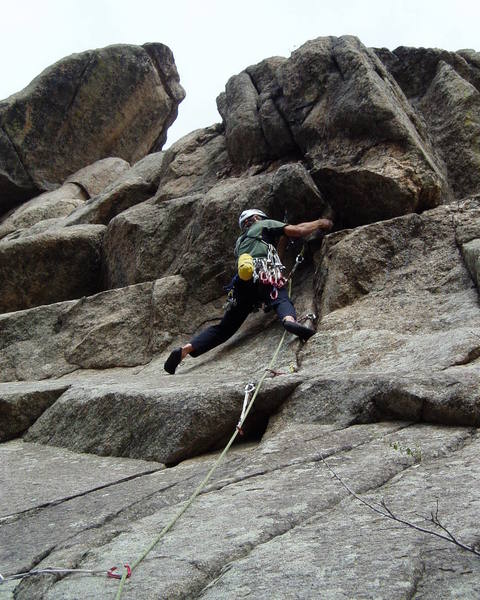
[[213, 39]]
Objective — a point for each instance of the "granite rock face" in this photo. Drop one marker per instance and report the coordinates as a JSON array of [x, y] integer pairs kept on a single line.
[[382, 402], [117, 328]]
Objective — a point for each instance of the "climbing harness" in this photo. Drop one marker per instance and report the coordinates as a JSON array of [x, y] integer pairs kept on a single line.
[[59, 570]]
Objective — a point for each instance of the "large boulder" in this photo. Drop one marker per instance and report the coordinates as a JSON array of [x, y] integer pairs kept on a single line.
[[166, 423], [369, 153], [116, 101], [52, 266]]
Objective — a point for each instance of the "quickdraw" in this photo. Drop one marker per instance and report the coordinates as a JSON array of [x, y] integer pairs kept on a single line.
[[249, 389], [59, 570], [298, 261], [308, 317]]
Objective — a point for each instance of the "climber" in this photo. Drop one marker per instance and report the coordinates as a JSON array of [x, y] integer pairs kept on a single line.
[[260, 280]]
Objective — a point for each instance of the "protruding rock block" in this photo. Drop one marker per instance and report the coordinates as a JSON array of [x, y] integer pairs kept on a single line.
[[116, 328], [56, 265], [49, 205]]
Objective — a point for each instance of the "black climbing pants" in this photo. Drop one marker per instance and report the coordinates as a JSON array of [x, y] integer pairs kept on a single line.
[[248, 296]]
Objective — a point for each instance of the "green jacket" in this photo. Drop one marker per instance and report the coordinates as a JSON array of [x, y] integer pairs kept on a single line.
[[257, 237]]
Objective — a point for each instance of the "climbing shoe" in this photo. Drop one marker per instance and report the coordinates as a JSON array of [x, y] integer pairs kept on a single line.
[[173, 361], [304, 333]]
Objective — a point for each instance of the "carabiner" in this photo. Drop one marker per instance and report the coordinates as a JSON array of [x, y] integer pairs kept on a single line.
[[113, 575], [274, 294], [249, 388]]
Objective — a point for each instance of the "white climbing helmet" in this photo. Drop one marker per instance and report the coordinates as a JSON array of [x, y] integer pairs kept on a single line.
[[246, 214]]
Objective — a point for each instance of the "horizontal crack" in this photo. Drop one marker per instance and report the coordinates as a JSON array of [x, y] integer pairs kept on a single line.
[[14, 516], [33, 564], [298, 461]]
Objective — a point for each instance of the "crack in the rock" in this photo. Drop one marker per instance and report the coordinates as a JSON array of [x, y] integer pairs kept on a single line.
[[336, 63], [52, 578], [298, 461], [246, 550], [18, 155], [418, 575], [36, 560], [317, 457], [259, 120], [149, 345], [295, 147], [77, 89], [29, 511]]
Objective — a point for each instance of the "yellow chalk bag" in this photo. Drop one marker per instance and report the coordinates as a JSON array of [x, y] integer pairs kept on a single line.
[[245, 267]]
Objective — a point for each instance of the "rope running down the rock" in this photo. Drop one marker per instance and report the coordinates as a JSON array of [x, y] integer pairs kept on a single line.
[[202, 485]]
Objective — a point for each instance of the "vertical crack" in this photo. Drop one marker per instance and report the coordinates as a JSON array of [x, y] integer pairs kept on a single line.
[[81, 79], [418, 575], [18, 154], [291, 141]]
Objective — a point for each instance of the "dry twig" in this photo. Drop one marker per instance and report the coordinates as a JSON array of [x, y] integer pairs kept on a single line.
[[386, 512]]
